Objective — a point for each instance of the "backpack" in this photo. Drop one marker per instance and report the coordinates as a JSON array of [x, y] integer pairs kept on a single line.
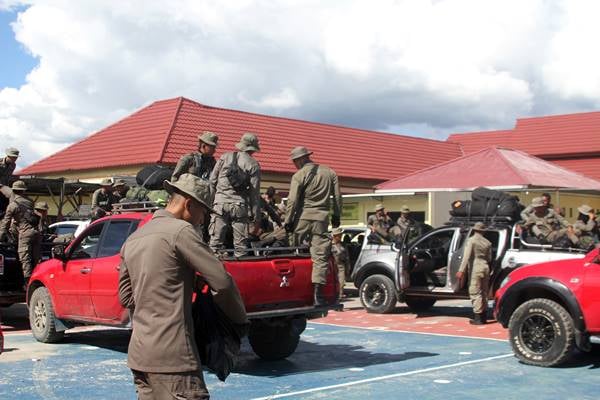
[[152, 176], [238, 178], [137, 193]]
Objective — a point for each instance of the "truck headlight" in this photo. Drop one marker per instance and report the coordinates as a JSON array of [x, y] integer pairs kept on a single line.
[[504, 282]]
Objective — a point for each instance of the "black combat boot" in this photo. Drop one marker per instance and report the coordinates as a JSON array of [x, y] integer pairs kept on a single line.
[[483, 318], [318, 295], [477, 320]]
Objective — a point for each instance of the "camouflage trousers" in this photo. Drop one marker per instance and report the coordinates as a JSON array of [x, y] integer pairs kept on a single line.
[[183, 385], [479, 287], [315, 233], [29, 249], [232, 216]]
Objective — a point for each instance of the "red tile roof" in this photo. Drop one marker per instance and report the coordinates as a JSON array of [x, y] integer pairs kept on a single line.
[[491, 167], [164, 130], [474, 141]]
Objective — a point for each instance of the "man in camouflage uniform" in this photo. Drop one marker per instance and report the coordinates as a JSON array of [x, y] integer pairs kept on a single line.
[[308, 216], [403, 223], [120, 190], [583, 232], [477, 257], [236, 209], [8, 164], [546, 200], [342, 259], [379, 224], [21, 213], [545, 224], [103, 198], [200, 163]]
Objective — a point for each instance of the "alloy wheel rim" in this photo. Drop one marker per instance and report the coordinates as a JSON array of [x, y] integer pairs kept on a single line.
[[375, 295], [537, 333], [39, 315]]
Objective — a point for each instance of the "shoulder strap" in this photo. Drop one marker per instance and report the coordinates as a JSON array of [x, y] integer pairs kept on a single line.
[[198, 160], [311, 176]]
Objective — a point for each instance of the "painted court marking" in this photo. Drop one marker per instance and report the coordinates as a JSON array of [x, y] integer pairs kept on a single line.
[[384, 377]]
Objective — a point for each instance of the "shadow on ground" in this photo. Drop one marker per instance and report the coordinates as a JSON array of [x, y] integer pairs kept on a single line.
[[312, 357], [14, 318]]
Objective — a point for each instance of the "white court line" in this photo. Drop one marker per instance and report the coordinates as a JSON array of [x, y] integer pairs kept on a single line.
[[401, 331], [381, 378]]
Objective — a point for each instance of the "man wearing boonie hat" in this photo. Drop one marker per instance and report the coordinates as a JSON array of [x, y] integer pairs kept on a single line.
[[582, 233], [235, 184], [20, 212], [120, 190], [158, 269], [545, 224], [103, 198], [201, 162], [312, 190], [342, 260], [403, 223], [477, 257], [41, 210], [379, 224], [8, 164]]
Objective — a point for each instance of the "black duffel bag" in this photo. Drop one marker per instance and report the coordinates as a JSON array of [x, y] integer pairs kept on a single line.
[[153, 176], [218, 338]]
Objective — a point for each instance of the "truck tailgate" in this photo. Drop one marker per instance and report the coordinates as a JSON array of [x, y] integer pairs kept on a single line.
[[278, 283]]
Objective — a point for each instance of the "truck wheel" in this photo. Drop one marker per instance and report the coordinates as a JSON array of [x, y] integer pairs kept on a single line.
[[541, 333], [41, 317], [378, 294], [417, 304], [276, 341]]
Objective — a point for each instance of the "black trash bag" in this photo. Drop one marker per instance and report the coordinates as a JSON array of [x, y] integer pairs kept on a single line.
[[153, 176], [217, 337]]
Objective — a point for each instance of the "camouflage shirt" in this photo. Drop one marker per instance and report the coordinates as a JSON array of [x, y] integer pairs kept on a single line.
[[196, 164], [6, 171]]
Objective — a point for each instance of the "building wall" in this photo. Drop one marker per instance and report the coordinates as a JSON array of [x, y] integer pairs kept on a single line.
[[356, 209]]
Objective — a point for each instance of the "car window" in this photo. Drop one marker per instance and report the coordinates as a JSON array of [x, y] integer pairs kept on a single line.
[[116, 234], [441, 239], [63, 229], [88, 245]]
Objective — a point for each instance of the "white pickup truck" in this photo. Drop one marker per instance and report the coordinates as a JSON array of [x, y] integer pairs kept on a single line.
[[423, 270]]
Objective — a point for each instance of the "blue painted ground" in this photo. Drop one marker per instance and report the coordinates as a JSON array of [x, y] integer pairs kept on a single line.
[[361, 364]]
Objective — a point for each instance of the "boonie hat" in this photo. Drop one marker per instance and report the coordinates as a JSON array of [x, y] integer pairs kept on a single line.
[[298, 152], [538, 202], [210, 138], [404, 209], [248, 142], [379, 207], [12, 152], [585, 209], [120, 182], [106, 182], [191, 185], [41, 205], [19, 186], [479, 226], [337, 231]]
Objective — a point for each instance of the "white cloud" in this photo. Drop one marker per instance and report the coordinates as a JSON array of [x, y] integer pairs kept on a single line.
[[435, 66]]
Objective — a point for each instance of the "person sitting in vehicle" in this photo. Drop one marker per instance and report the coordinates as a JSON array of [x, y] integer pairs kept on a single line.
[[546, 199], [584, 228], [403, 224], [544, 224], [379, 224]]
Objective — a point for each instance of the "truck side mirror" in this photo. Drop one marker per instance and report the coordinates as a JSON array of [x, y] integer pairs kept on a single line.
[[58, 252]]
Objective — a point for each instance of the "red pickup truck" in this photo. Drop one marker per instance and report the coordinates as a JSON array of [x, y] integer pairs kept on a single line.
[[80, 286]]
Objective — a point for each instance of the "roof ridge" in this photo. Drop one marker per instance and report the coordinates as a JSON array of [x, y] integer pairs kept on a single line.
[[559, 115], [555, 165], [163, 148], [508, 163]]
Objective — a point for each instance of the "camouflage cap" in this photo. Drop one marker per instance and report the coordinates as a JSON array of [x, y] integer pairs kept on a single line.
[[538, 202], [12, 152], [41, 205], [479, 226], [248, 142], [106, 182], [379, 207], [298, 152], [191, 185], [585, 209], [404, 209], [19, 186], [210, 138], [120, 182], [337, 231]]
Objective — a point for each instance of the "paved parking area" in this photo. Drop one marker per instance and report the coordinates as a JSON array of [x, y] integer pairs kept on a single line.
[[348, 355]]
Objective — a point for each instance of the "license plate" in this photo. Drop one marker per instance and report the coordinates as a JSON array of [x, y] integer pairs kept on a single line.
[[1, 264]]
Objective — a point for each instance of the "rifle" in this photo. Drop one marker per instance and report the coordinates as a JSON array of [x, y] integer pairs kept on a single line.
[[299, 205]]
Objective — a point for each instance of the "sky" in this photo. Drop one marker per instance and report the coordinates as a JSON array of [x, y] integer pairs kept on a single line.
[[414, 67]]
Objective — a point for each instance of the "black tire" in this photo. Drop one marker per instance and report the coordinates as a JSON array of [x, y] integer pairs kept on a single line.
[[42, 318], [541, 333], [277, 341], [378, 294], [417, 304]]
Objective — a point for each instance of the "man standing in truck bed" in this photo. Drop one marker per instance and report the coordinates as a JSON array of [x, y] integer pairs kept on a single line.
[[200, 163], [158, 266], [307, 213]]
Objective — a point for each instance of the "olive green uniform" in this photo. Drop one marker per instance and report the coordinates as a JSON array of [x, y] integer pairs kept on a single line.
[[103, 200], [584, 233], [380, 225], [196, 164], [549, 227], [6, 170], [313, 221], [342, 261], [233, 209], [477, 258], [20, 213]]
